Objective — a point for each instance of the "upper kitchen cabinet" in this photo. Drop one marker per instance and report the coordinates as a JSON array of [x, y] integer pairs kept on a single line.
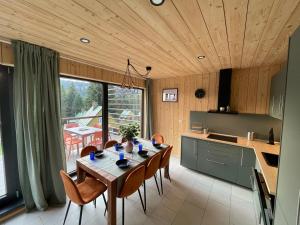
[[277, 94]]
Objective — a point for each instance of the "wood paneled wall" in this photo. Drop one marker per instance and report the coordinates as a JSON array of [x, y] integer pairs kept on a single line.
[[172, 119], [74, 69], [250, 89], [250, 94]]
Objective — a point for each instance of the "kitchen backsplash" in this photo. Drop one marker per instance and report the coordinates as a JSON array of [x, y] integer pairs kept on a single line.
[[237, 124]]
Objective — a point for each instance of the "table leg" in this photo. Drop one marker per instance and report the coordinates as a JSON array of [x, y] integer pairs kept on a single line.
[[112, 203], [80, 174], [83, 139]]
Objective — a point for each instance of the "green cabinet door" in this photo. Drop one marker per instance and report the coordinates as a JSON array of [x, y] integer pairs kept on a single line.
[[221, 160], [288, 187], [247, 163], [277, 94], [189, 152]]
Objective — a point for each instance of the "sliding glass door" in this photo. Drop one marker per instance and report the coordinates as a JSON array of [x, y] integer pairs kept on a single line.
[[9, 178], [92, 113], [82, 108]]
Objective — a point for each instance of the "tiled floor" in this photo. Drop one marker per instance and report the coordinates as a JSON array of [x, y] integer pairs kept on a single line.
[[191, 199]]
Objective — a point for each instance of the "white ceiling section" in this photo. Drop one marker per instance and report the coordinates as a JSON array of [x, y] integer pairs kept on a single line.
[[229, 33]]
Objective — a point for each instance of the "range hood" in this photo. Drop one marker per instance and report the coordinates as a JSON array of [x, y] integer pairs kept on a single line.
[[224, 92]]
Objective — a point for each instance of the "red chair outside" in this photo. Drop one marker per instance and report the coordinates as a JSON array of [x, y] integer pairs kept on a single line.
[[71, 125], [97, 139], [70, 141]]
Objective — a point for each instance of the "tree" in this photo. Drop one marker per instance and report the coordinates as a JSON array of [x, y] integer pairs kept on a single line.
[[94, 94], [63, 101], [70, 97], [77, 104]]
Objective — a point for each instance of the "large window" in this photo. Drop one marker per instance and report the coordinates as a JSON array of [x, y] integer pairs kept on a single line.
[[86, 120], [124, 107], [82, 107]]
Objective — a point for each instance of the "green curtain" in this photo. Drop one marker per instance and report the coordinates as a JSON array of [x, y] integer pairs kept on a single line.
[[40, 149], [149, 123]]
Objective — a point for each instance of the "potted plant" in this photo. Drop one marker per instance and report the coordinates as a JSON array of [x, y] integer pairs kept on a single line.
[[128, 132]]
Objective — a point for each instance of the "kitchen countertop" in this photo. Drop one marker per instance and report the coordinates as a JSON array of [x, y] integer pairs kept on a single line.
[[270, 173]]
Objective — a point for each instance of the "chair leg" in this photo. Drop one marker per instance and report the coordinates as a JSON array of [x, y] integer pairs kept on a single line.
[[161, 184], [105, 202], [80, 216], [145, 196], [123, 217], [67, 212], [95, 203], [156, 184], [141, 200]]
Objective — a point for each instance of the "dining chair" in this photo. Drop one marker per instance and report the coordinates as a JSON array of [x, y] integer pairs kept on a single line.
[[165, 160], [70, 141], [123, 140], [150, 171], [84, 152], [110, 143], [131, 184], [71, 125], [82, 193], [97, 139], [158, 138]]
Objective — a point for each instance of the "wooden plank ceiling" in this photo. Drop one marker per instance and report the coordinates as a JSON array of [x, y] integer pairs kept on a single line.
[[230, 33]]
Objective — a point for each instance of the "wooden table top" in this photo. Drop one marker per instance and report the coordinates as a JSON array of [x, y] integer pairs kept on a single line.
[[83, 130]]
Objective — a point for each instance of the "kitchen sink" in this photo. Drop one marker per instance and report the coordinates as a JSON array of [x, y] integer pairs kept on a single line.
[[271, 159], [222, 137]]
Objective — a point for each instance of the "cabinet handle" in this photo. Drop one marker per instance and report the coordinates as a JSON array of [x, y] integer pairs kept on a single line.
[[195, 151], [242, 158], [298, 208], [209, 160]]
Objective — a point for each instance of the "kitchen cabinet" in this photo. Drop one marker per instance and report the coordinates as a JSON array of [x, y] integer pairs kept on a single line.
[[277, 94], [288, 189], [247, 163], [189, 153], [225, 161]]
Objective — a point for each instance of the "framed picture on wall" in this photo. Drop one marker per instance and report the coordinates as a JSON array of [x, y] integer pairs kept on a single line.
[[170, 95]]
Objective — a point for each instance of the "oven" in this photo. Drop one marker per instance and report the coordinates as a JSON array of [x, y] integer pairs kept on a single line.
[[264, 201]]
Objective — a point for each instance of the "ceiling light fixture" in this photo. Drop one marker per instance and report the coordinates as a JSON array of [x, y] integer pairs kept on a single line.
[[157, 2], [128, 78], [201, 56], [84, 40]]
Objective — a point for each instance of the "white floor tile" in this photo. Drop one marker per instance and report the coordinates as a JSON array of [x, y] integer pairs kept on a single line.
[[191, 198]]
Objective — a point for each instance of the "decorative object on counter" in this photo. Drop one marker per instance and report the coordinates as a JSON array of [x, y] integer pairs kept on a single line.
[[170, 95], [271, 137], [205, 130], [250, 136], [129, 132], [222, 109], [199, 93], [228, 108], [197, 127]]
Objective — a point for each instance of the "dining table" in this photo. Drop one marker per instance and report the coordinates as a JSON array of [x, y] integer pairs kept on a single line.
[[105, 169], [83, 132]]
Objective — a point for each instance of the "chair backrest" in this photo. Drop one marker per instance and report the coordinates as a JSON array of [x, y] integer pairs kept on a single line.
[[110, 143], [87, 149], [71, 188], [98, 135], [158, 138], [152, 166], [166, 157], [70, 125], [97, 125], [67, 136], [132, 181], [123, 140]]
